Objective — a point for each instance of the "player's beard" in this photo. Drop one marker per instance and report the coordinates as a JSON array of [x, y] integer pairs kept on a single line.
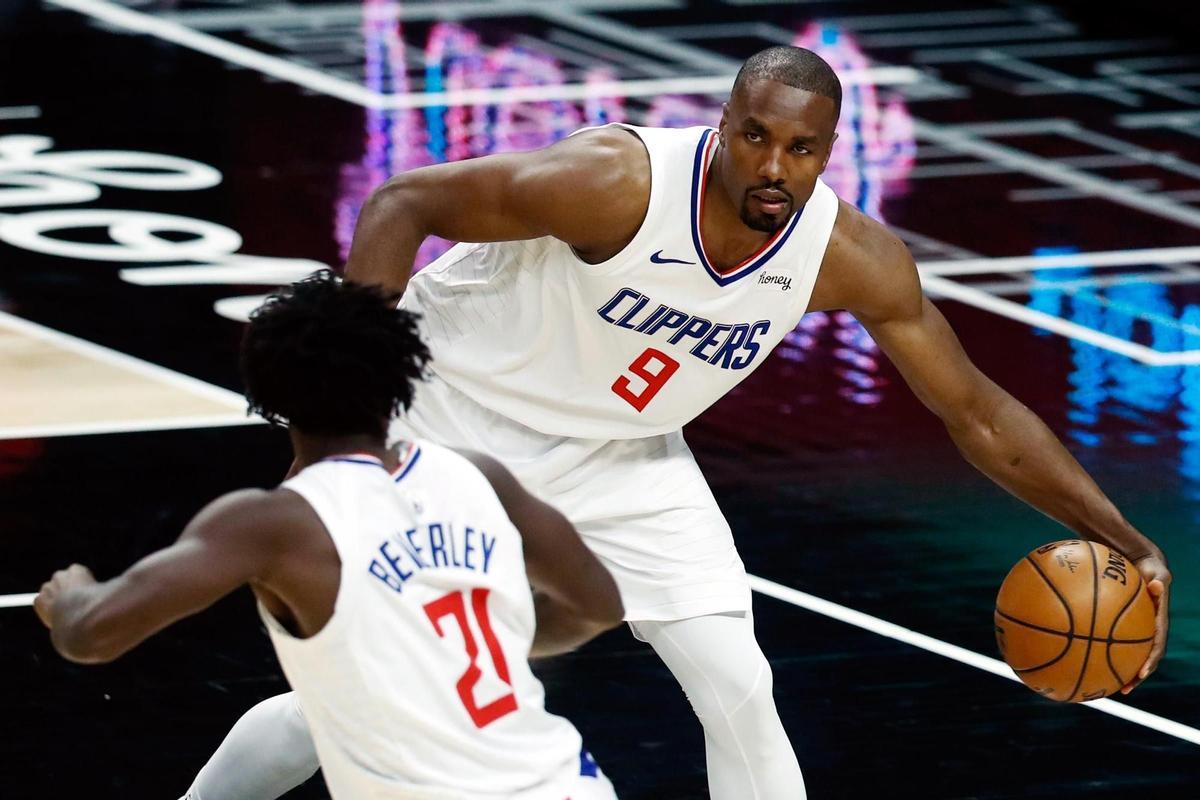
[[762, 222]]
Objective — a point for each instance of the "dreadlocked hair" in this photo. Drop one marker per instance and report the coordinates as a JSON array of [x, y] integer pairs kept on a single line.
[[331, 357]]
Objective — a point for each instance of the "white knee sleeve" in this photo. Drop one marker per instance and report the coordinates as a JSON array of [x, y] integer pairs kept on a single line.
[[728, 681], [267, 752]]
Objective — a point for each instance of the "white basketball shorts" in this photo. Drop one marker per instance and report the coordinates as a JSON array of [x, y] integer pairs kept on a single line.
[[641, 505]]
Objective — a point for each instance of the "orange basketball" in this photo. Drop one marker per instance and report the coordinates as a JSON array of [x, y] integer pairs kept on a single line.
[[1074, 620]]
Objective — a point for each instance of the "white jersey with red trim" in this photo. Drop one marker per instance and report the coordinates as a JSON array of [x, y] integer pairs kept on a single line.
[[634, 346], [419, 685]]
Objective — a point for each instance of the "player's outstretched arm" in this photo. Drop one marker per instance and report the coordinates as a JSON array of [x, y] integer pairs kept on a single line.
[[575, 597], [590, 190], [872, 274], [229, 543]]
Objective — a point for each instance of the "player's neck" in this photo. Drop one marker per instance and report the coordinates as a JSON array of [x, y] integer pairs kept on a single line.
[[309, 448]]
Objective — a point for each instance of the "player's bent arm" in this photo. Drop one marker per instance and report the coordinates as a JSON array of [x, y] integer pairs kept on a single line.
[[226, 545], [995, 432], [589, 190], [575, 597]]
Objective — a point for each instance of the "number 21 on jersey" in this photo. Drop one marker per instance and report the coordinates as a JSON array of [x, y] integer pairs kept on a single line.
[[454, 605], [652, 366]]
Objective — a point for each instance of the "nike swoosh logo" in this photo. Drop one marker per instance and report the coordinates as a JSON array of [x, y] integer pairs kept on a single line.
[[658, 259]]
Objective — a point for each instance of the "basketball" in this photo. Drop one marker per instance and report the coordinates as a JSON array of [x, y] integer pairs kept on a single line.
[[1074, 620]]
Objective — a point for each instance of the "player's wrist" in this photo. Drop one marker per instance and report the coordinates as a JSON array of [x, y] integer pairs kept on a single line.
[[1147, 551]]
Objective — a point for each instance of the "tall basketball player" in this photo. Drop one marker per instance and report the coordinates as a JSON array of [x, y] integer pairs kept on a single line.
[[613, 286], [391, 580]]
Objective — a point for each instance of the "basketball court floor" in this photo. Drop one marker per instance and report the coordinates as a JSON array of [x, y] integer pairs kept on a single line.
[[165, 163]]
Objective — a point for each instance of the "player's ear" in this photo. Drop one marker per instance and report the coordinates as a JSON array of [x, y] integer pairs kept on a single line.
[[724, 118], [829, 152]]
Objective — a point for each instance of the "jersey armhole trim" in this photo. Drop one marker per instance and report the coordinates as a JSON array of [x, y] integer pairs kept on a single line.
[[341, 601]]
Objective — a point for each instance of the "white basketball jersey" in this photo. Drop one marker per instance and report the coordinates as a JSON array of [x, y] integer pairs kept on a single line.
[[419, 685], [637, 345]]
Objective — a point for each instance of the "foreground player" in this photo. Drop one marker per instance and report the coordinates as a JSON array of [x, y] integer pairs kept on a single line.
[[632, 276], [391, 581]]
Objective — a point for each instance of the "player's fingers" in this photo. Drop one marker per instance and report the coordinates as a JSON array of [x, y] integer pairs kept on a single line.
[[41, 605], [1156, 589], [1147, 668], [1160, 639]]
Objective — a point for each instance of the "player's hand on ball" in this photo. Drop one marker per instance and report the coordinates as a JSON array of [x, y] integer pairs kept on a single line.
[[1158, 582], [73, 576]]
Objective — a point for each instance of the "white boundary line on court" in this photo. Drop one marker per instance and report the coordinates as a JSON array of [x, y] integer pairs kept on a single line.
[[1040, 319], [20, 112], [138, 22], [963, 141], [322, 82], [267, 272], [649, 87], [969, 657], [960, 141], [1105, 258], [891, 630], [234, 401], [127, 426]]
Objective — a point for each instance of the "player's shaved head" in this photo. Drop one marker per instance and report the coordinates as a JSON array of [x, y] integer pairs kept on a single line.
[[331, 358], [792, 66]]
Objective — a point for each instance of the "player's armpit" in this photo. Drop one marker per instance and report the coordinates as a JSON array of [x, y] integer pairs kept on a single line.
[[225, 546]]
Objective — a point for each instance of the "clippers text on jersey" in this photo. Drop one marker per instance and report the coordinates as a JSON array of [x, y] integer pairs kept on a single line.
[[726, 345]]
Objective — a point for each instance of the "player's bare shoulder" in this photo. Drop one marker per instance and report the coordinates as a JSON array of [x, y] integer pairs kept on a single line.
[[867, 270], [609, 173], [270, 519], [610, 158]]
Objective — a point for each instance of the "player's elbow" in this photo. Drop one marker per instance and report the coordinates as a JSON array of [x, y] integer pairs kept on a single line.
[[603, 609], [614, 610], [90, 639], [396, 199], [989, 422]]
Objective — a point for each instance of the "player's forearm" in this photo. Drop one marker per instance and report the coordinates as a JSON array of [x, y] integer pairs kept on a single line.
[[387, 236], [561, 628], [1012, 446], [81, 629]]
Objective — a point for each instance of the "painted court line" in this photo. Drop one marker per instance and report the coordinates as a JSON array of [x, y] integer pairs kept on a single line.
[[138, 22], [1055, 172], [268, 271], [1040, 319], [230, 407], [892, 631], [234, 401], [127, 426], [705, 84], [1107, 258], [957, 140], [960, 654], [318, 81], [20, 112]]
